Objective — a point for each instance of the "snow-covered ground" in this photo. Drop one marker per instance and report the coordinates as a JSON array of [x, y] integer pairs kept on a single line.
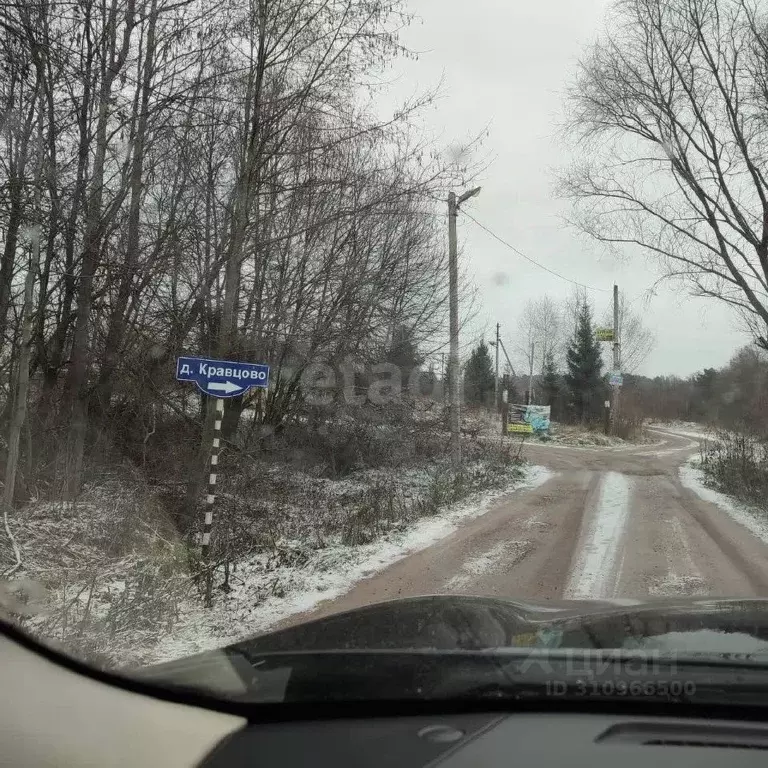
[[752, 519], [485, 563], [683, 428], [562, 434], [328, 573]]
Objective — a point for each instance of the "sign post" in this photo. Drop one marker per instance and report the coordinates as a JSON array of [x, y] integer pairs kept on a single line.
[[219, 379]]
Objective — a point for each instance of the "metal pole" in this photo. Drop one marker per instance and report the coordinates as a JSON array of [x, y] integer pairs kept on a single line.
[[453, 365], [530, 376], [211, 498], [616, 357]]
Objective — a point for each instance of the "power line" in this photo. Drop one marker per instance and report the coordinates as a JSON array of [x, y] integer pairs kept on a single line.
[[529, 259]]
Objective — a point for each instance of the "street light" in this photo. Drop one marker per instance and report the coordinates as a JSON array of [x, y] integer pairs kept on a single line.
[[453, 301], [471, 193]]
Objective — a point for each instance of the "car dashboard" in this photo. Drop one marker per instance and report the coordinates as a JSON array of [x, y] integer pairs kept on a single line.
[[494, 740], [54, 712]]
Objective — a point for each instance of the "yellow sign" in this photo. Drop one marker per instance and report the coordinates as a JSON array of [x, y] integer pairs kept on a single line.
[[604, 334], [519, 428], [524, 640]]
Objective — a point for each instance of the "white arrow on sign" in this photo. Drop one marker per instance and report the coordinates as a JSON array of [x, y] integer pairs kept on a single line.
[[227, 387]]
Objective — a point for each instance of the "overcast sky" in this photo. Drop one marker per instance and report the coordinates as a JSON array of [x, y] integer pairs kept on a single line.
[[504, 66]]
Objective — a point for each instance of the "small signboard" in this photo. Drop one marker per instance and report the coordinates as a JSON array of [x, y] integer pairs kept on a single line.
[[516, 427], [604, 334], [222, 378], [616, 379]]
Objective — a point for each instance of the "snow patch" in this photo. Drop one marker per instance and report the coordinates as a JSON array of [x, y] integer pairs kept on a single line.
[[689, 582], [693, 478], [675, 584], [683, 429], [594, 575], [330, 573], [701, 641], [509, 551]]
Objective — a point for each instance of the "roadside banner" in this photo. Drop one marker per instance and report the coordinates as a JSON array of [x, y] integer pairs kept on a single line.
[[528, 418]]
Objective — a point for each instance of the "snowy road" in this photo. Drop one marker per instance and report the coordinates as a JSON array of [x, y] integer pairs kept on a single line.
[[609, 523]]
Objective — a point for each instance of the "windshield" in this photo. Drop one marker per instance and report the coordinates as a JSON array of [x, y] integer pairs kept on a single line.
[[313, 305]]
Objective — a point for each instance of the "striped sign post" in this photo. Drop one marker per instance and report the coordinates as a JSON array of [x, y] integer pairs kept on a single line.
[[211, 497], [220, 379]]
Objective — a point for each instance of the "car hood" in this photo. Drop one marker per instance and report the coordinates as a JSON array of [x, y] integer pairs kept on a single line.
[[478, 623], [442, 626]]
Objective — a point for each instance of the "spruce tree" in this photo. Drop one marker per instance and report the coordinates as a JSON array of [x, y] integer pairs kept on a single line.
[[584, 363], [551, 384], [479, 378], [404, 352]]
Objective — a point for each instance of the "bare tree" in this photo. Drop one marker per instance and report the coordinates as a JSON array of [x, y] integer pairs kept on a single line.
[[637, 341], [541, 324], [212, 183], [671, 109]]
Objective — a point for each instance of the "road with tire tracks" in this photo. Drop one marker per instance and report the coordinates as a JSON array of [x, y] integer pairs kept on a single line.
[[610, 523]]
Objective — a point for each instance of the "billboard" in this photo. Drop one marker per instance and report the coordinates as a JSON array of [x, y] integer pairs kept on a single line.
[[525, 419]]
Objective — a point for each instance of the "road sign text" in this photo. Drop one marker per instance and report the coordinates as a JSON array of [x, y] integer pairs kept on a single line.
[[222, 378]]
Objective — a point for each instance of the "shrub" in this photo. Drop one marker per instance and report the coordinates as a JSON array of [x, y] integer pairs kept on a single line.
[[737, 464]]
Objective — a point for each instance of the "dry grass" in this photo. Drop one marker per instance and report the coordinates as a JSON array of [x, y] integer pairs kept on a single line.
[[737, 464], [117, 573]]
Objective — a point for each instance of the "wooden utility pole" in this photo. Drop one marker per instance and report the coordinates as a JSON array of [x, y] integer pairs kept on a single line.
[[453, 300], [530, 376], [496, 380], [453, 360]]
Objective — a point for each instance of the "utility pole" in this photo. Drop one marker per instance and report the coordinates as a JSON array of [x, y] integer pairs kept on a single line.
[[453, 300], [453, 358], [530, 376], [496, 380], [616, 358]]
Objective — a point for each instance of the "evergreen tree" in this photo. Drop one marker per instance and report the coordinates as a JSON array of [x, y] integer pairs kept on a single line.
[[479, 378], [584, 363], [404, 353], [551, 387]]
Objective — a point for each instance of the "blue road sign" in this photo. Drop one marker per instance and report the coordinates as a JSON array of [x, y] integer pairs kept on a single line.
[[616, 379], [222, 378]]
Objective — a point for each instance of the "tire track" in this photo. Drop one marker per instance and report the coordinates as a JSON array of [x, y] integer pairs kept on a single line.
[[746, 555], [600, 552]]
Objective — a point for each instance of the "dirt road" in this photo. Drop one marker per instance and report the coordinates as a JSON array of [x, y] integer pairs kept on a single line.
[[610, 523]]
